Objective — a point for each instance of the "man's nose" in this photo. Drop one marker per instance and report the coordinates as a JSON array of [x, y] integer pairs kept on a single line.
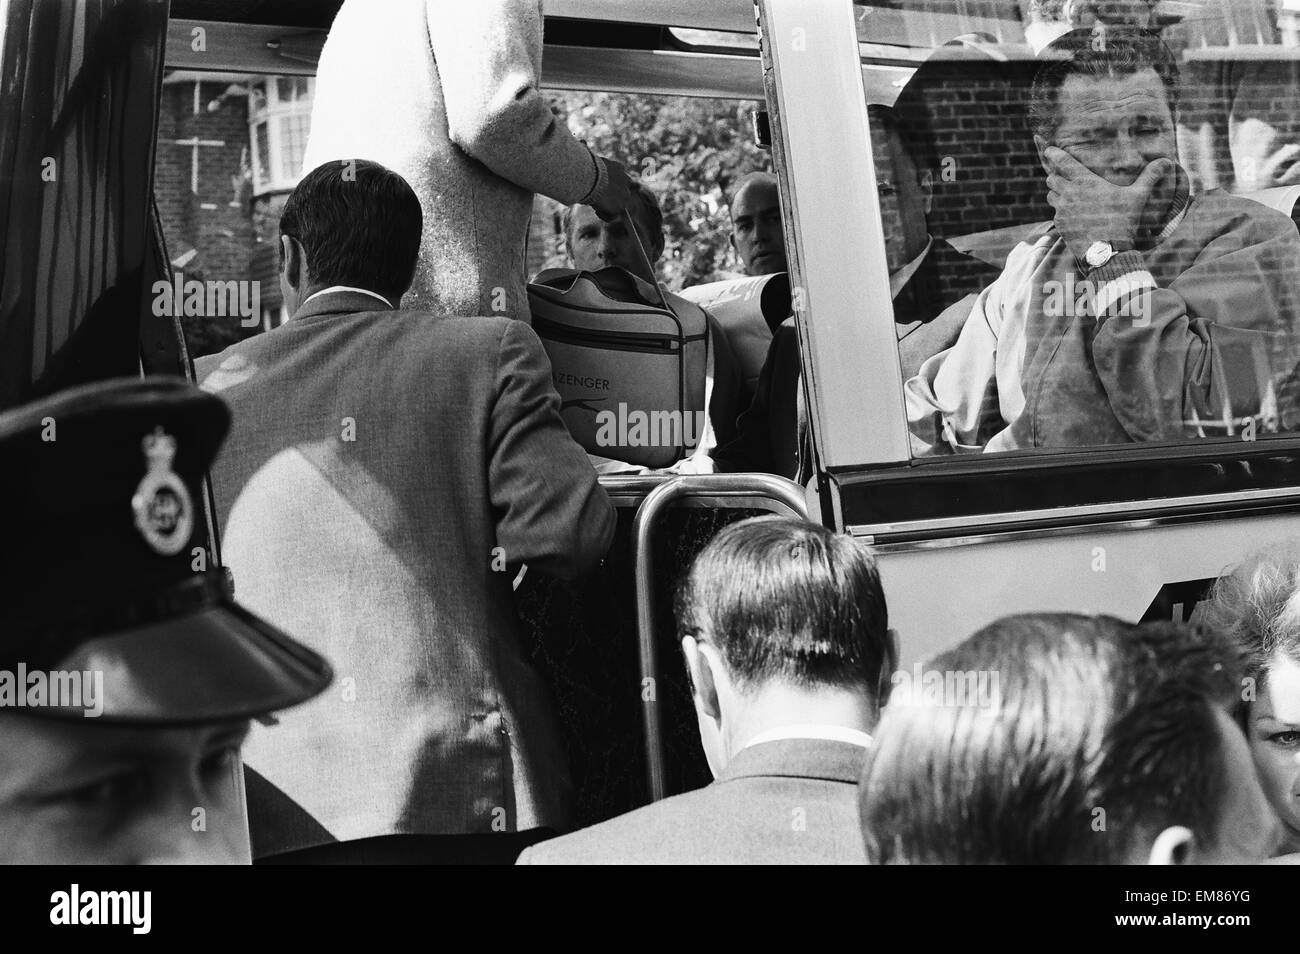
[[1128, 156]]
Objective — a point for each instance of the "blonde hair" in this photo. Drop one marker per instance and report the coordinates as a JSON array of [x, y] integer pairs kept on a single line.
[[1257, 603]]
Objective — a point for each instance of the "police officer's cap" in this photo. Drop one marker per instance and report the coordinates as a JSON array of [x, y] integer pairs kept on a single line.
[[103, 566]]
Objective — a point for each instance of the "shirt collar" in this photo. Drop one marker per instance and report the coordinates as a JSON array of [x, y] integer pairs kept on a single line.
[[812, 730], [346, 288], [900, 278]]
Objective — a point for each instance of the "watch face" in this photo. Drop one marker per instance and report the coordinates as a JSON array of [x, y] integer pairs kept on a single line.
[[1098, 254]]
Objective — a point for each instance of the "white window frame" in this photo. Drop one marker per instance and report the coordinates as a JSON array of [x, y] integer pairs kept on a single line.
[[272, 115]]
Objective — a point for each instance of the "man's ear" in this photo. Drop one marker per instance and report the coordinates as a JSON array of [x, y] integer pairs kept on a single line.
[[700, 669], [927, 189], [1176, 845], [889, 666], [292, 261]]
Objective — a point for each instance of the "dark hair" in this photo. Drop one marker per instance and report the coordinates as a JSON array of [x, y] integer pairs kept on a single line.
[[785, 599], [646, 210], [359, 224], [1107, 53], [1091, 715]]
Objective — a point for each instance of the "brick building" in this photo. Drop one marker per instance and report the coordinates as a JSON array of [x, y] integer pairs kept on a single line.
[[229, 152]]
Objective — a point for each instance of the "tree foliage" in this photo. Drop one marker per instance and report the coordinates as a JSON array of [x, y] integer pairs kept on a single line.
[[689, 152]]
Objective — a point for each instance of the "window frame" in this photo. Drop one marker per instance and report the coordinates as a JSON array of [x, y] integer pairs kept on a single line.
[[822, 152], [272, 115]]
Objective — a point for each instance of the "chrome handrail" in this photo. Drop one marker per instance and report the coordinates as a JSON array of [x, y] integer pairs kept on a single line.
[[760, 492]]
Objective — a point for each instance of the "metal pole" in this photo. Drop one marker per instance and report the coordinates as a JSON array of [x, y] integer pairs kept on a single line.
[[769, 493]]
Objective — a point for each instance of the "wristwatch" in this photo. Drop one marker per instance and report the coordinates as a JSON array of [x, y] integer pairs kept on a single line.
[[1099, 253]]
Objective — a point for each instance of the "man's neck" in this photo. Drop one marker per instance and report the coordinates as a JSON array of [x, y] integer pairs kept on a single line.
[[777, 706]]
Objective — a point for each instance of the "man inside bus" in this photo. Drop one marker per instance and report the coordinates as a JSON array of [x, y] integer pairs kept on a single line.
[[757, 231], [1068, 739], [927, 276], [388, 472], [127, 673], [1120, 322], [1238, 131], [593, 244], [784, 628]]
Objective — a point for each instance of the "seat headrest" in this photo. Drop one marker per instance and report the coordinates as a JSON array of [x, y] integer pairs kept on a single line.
[[739, 301]]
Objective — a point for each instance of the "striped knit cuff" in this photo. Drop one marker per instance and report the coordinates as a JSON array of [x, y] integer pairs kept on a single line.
[[1118, 283]]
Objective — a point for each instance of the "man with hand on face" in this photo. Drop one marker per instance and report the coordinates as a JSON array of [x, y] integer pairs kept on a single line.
[[128, 676], [1113, 325]]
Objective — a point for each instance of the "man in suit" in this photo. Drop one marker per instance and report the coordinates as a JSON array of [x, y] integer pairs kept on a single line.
[[784, 629], [387, 474], [128, 675], [447, 93], [927, 276], [1058, 738]]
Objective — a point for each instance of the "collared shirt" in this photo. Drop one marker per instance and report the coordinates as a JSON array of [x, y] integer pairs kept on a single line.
[[899, 279], [348, 288], [812, 730]]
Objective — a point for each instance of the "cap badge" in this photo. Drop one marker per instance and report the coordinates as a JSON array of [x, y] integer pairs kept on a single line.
[[164, 513]]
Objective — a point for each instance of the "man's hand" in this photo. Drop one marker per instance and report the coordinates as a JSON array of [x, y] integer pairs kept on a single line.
[[616, 196], [1090, 209]]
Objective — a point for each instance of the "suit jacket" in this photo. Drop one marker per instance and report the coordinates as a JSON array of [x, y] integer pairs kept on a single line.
[[386, 473], [447, 94], [792, 801], [928, 317]]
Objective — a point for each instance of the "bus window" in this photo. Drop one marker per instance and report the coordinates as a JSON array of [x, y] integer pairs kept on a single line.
[[1087, 215], [688, 151]]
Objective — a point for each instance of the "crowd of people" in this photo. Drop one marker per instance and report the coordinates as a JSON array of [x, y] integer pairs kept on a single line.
[[397, 454]]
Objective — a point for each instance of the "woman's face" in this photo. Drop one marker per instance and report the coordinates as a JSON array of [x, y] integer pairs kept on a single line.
[[1275, 741]]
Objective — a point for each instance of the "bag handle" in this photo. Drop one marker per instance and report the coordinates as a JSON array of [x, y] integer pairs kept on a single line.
[[645, 259]]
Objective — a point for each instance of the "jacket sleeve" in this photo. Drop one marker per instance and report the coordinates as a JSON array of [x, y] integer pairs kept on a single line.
[[551, 511], [751, 450], [488, 54], [952, 402], [1165, 355]]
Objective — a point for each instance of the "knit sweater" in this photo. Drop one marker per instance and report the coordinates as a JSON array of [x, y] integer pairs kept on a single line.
[[446, 93]]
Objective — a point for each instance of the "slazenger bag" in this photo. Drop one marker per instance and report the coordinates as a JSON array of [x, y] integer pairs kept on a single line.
[[630, 369]]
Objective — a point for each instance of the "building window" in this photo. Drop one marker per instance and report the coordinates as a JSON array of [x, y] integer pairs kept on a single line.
[[279, 120]]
